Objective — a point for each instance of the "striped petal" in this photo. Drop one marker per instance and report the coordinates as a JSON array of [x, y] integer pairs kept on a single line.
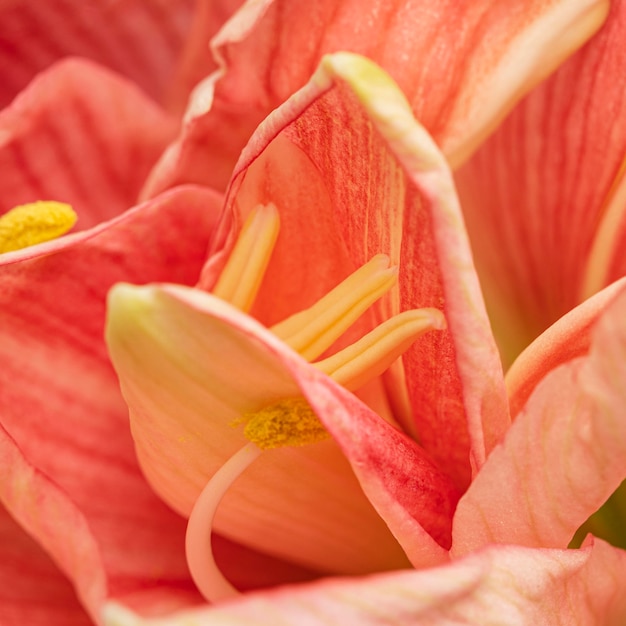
[[82, 135], [461, 66], [544, 197], [140, 40], [354, 175], [70, 474]]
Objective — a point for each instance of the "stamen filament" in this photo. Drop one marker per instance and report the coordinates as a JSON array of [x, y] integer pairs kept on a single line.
[[369, 357], [241, 278], [313, 330], [204, 570]]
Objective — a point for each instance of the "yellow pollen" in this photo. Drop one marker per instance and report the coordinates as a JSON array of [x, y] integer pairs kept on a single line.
[[241, 278], [30, 224], [287, 423]]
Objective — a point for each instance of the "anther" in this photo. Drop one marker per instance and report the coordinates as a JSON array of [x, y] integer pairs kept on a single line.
[[313, 330], [371, 355], [30, 224]]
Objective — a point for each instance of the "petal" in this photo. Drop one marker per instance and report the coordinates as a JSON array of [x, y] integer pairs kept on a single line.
[[566, 339], [32, 589], [354, 175], [535, 193], [196, 60], [564, 455], [190, 367], [61, 405], [504, 585], [141, 40], [462, 68], [81, 135]]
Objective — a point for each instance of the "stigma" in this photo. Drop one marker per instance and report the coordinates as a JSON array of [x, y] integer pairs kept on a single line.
[[30, 224]]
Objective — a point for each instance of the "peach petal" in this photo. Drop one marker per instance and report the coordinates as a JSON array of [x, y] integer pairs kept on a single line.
[[564, 455], [500, 585], [535, 194], [462, 67]]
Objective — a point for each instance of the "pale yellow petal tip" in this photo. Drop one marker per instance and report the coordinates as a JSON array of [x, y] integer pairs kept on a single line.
[[290, 422], [127, 306], [30, 224]]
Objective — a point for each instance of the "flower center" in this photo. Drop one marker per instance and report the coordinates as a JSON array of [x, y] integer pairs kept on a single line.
[[29, 224], [292, 421]]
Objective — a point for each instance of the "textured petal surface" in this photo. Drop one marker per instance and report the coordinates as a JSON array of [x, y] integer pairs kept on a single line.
[[535, 193], [32, 589], [462, 67], [191, 366], [506, 585], [350, 171], [60, 401], [81, 135], [141, 40], [564, 455]]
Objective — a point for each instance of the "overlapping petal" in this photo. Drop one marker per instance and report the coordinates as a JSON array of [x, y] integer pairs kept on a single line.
[[191, 367], [542, 195], [62, 410], [82, 135], [33, 590], [564, 455], [351, 171], [462, 67], [500, 585]]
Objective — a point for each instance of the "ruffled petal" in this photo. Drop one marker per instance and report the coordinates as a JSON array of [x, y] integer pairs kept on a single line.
[[462, 67], [33, 591], [535, 193], [354, 175], [564, 455], [140, 40], [191, 367], [82, 135], [504, 585], [61, 404]]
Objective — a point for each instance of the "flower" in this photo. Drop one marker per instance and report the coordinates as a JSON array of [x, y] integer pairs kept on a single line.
[[85, 517]]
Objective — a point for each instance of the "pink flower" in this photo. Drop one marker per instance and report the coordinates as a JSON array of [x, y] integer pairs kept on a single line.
[[72, 481]]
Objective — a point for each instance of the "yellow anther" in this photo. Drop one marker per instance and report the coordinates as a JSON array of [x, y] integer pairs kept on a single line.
[[311, 331], [287, 423], [29, 224], [241, 278], [369, 357]]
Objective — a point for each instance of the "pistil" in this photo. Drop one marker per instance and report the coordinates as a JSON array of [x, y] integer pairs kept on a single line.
[[30, 224]]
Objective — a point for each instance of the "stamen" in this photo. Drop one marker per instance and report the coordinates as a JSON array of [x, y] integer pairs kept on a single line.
[[204, 570], [289, 422], [241, 278], [369, 357], [29, 224], [313, 330]]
